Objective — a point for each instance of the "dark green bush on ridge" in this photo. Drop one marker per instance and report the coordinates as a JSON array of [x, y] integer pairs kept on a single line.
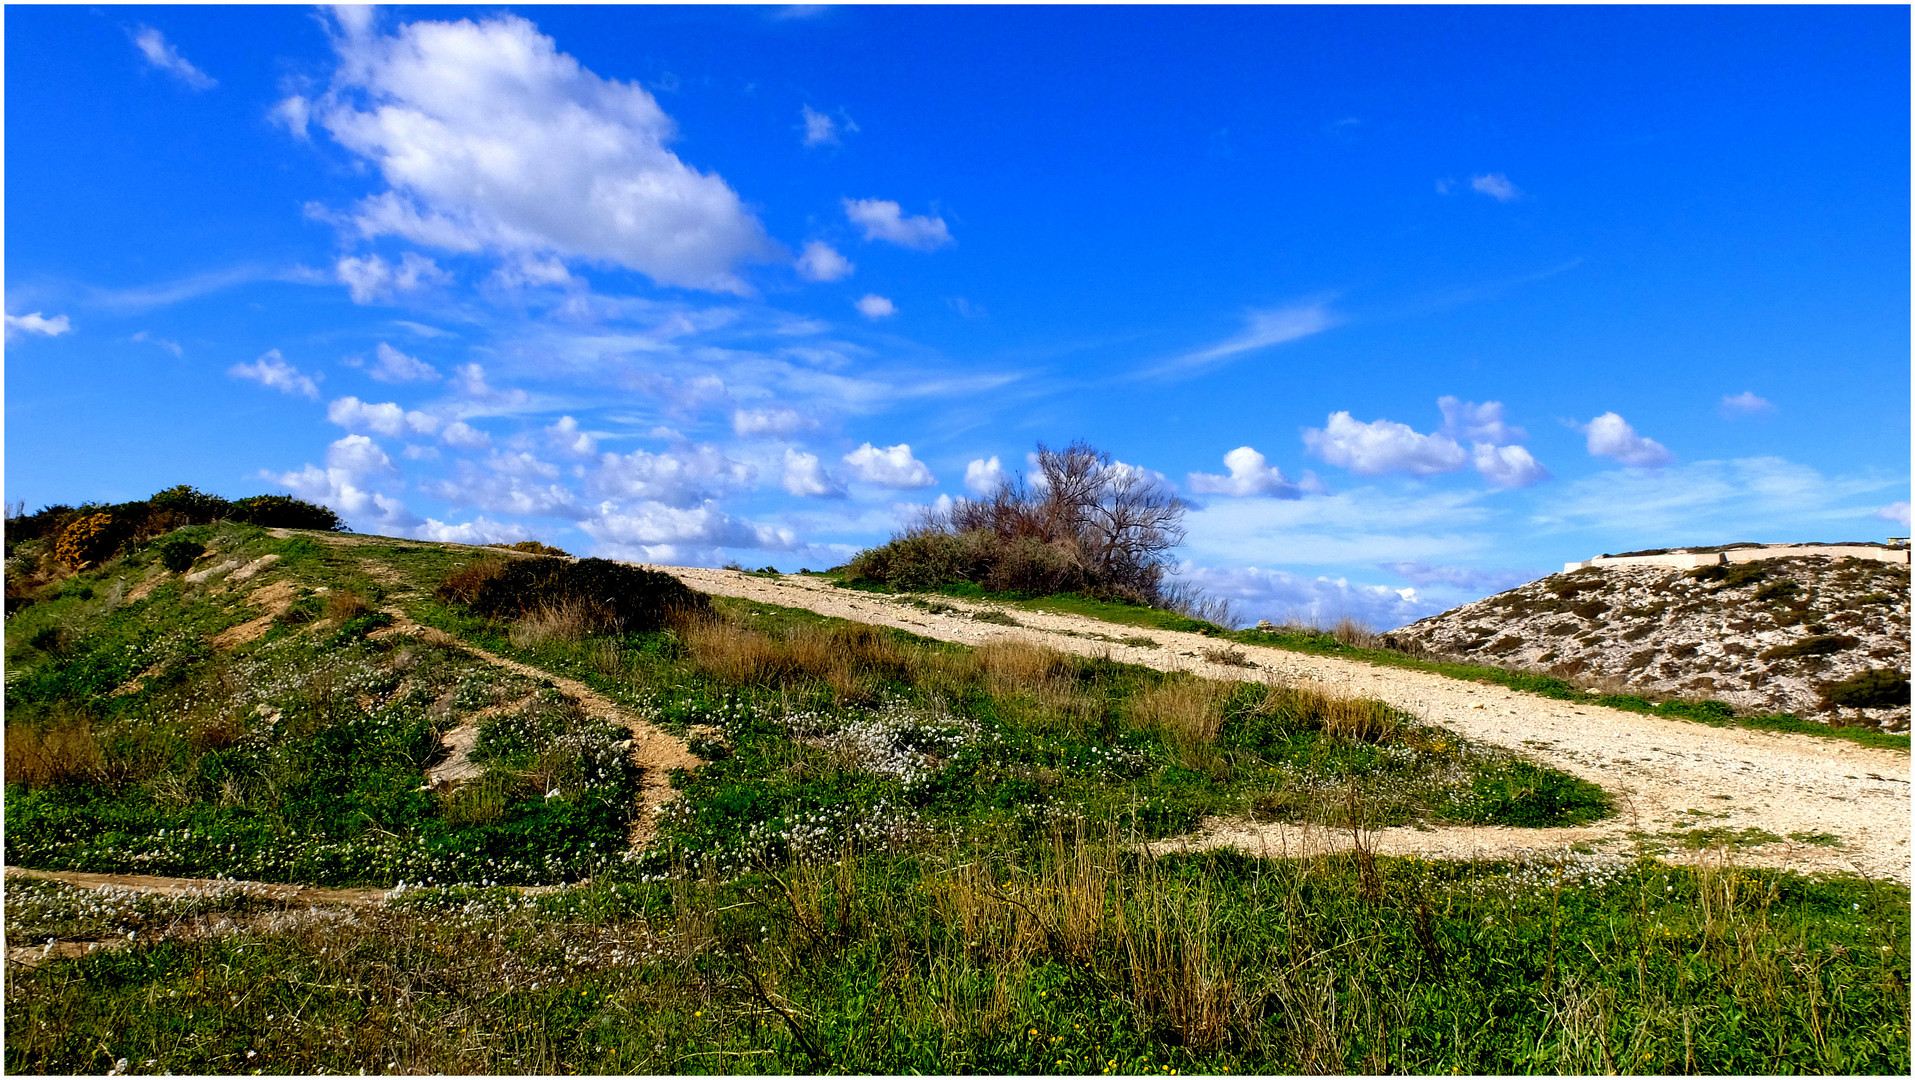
[[131, 524], [610, 595]]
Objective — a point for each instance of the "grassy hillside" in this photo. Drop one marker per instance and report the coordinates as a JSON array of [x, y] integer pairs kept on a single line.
[[900, 855]]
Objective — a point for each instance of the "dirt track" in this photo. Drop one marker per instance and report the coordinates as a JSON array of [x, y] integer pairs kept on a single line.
[[1667, 775]]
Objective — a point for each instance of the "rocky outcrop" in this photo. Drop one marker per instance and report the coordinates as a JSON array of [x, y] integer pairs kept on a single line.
[[1773, 635]]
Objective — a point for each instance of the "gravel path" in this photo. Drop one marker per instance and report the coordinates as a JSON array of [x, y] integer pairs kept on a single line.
[[1667, 776]]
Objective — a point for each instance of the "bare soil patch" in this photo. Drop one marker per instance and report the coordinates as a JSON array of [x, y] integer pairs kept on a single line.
[[654, 750]]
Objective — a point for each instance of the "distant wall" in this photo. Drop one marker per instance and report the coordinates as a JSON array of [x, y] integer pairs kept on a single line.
[[1687, 560]]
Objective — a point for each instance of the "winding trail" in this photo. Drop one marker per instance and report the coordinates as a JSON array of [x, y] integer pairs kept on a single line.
[[1836, 806], [654, 750]]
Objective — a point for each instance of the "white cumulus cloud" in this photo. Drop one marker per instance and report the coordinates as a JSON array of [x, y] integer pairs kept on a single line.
[[821, 262], [1496, 186], [36, 323], [686, 476], [569, 438], [873, 306], [370, 279], [386, 417], [465, 436], [882, 219], [656, 531], [1507, 466], [394, 366], [1250, 474], [1745, 404], [272, 370], [1383, 446], [805, 476], [1609, 435], [984, 475], [491, 139], [820, 129], [891, 467], [778, 423], [480, 530], [1896, 512], [363, 508], [1466, 420], [357, 456], [161, 54], [1281, 596]]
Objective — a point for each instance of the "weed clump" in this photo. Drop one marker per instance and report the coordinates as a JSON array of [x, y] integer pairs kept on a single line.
[[596, 595], [1814, 645], [1877, 688], [533, 547]]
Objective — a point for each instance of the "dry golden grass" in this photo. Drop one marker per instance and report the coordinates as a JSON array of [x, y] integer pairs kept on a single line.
[[1353, 633], [1361, 719], [343, 604], [60, 752], [853, 660], [463, 585], [1188, 712], [569, 620]]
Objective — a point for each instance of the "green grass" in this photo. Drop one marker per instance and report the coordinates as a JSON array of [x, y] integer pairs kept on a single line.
[[924, 859], [1320, 643], [1058, 957]]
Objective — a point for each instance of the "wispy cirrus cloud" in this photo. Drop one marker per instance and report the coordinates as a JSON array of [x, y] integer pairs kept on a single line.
[[161, 54], [1721, 501], [1262, 329]]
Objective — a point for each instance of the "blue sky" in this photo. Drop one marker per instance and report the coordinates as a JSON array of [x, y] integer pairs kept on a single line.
[[1411, 303]]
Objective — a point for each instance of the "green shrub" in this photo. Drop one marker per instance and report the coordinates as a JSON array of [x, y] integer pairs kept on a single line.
[[1814, 645], [285, 512], [1777, 591], [1732, 575], [177, 555], [616, 597], [533, 547], [195, 505], [1877, 688]]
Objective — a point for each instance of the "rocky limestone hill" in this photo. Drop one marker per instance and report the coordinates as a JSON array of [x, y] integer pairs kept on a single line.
[[1773, 635]]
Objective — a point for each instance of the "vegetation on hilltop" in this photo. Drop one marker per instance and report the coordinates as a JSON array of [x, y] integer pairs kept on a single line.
[[901, 855], [1085, 525]]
